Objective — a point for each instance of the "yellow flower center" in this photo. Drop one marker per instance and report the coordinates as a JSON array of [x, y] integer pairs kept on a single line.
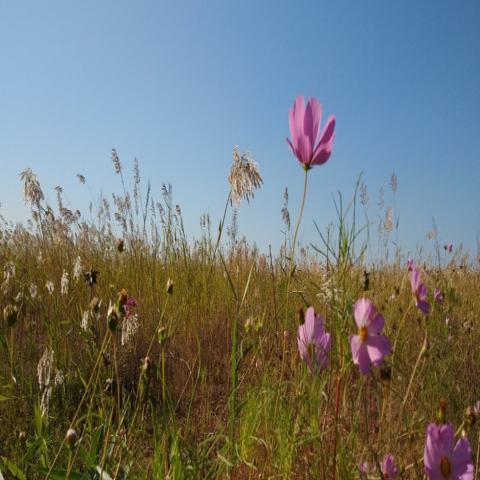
[[445, 467], [363, 333], [123, 296]]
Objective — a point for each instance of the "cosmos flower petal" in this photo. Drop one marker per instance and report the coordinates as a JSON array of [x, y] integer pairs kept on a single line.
[[376, 324], [378, 346], [322, 154], [311, 123], [363, 311], [462, 458], [328, 131]]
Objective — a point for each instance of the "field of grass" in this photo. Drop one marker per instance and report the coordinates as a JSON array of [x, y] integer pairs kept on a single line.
[[127, 351]]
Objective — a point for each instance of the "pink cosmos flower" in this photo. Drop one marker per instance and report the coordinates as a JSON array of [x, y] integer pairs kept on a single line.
[[131, 302], [420, 291], [438, 296], [307, 145], [313, 342], [389, 469], [364, 468], [444, 460], [368, 347]]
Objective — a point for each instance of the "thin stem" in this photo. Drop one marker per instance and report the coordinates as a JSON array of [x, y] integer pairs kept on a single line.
[[72, 423], [295, 235]]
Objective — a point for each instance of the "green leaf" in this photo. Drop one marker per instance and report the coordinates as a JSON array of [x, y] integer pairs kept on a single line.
[[59, 474], [13, 469]]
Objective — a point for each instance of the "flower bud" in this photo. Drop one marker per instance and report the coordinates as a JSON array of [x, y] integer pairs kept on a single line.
[[110, 386], [162, 335], [286, 336], [22, 436], [120, 244], [10, 314], [122, 297], [470, 415], [112, 318], [146, 365], [169, 286], [442, 411], [71, 437]]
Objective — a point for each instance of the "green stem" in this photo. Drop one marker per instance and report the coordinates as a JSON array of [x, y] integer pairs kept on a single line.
[[292, 250]]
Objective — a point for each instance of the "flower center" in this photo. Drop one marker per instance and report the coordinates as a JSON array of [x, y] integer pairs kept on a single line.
[[363, 333], [445, 467]]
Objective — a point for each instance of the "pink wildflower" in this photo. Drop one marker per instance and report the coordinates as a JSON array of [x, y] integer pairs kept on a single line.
[[389, 469], [313, 342], [420, 291], [307, 145], [368, 347], [444, 460]]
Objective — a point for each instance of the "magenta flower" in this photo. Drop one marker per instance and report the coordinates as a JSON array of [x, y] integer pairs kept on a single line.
[[420, 291], [368, 347], [442, 460], [304, 129], [131, 302], [438, 296], [313, 342], [389, 469]]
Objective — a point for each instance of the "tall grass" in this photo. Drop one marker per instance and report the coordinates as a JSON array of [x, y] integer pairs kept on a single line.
[[210, 384]]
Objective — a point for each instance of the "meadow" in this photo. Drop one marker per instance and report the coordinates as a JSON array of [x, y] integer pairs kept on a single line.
[[128, 351]]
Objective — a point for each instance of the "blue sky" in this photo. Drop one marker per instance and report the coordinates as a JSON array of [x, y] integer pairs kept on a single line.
[[177, 84]]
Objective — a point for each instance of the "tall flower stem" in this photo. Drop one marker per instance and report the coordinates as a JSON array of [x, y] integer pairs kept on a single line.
[[292, 249]]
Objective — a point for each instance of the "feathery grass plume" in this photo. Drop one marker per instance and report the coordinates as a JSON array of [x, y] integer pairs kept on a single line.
[[363, 194], [388, 222], [381, 199], [8, 271], [64, 283], [393, 182], [33, 291], [116, 161], [44, 375], [129, 328], [50, 287], [77, 268], [285, 211], [81, 178], [244, 177], [32, 191]]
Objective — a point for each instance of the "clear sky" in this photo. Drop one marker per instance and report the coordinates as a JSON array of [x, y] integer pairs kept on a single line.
[[178, 83]]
